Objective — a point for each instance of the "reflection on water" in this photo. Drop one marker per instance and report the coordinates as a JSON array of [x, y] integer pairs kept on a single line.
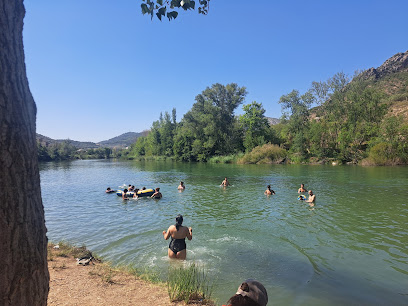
[[350, 248]]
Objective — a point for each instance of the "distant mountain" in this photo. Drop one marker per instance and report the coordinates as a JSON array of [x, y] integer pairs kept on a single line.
[[273, 121], [121, 141]]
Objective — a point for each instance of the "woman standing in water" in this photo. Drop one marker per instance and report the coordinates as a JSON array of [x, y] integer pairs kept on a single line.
[[178, 234]]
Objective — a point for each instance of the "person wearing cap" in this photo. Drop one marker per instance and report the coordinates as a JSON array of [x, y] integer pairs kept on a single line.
[[250, 293]]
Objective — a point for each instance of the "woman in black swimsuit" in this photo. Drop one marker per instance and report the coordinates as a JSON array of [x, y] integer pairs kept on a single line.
[[178, 234]]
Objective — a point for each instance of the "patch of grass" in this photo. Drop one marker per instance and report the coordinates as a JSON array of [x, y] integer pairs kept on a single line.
[[147, 274], [265, 154], [105, 272], [55, 266], [189, 284]]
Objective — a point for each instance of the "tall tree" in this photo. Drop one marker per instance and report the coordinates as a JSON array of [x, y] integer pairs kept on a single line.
[[256, 127], [211, 121], [23, 243], [296, 112]]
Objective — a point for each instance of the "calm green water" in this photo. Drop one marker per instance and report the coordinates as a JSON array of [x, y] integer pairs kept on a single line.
[[352, 248]]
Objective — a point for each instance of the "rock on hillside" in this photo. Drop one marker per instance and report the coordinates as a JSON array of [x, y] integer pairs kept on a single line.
[[391, 78], [273, 121], [396, 63]]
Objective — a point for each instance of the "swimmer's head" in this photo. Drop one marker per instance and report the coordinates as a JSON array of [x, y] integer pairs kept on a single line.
[[157, 189], [125, 190], [179, 221], [269, 186], [310, 192]]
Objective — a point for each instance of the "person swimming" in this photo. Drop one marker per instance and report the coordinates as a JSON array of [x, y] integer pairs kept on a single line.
[[124, 194], [181, 186], [225, 183], [157, 194], [269, 191], [312, 198], [178, 233], [109, 190], [302, 188], [135, 196]]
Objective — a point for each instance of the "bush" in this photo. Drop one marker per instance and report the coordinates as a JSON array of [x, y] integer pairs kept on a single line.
[[225, 159], [265, 154], [383, 154]]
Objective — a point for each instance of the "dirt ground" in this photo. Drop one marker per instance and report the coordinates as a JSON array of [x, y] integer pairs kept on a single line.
[[99, 284]]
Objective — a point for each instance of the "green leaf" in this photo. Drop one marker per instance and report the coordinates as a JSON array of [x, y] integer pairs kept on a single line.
[[175, 3], [162, 11], [160, 2], [158, 16], [145, 9], [172, 15], [192, 4]]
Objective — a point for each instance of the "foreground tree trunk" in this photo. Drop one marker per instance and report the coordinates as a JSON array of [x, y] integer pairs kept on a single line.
[[23, 243]]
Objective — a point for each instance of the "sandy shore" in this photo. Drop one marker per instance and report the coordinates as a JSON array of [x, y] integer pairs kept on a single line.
[[99, 284]]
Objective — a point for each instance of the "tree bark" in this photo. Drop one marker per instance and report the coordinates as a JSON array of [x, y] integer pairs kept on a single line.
[[24, 274]]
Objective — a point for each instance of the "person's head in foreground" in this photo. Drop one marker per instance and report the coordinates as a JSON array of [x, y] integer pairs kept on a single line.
[[250, 293]]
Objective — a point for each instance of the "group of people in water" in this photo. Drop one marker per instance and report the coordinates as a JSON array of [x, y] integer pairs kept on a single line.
[[250, 292], [125, 196], [178, 233], [311, 200]]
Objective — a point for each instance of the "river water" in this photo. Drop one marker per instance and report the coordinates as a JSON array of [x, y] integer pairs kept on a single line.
[[351, 248]]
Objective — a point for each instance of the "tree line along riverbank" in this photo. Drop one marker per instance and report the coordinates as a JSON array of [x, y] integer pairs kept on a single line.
[[358, 120]]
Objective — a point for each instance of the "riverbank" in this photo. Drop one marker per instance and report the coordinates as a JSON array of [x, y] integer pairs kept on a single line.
[[98, 283]]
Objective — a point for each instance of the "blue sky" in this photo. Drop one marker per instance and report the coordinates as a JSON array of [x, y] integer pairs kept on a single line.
[[99, 68]]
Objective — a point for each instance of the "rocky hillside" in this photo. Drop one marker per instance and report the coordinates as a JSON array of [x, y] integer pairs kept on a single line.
[[273, 121], [395, 64], [392, 79]]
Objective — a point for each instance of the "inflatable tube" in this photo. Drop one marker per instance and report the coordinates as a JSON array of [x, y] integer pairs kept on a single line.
[[140, 193], [129, 193], [301, 197], [145, 193]]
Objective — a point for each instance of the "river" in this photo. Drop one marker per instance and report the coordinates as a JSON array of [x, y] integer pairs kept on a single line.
[[351, 248]]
